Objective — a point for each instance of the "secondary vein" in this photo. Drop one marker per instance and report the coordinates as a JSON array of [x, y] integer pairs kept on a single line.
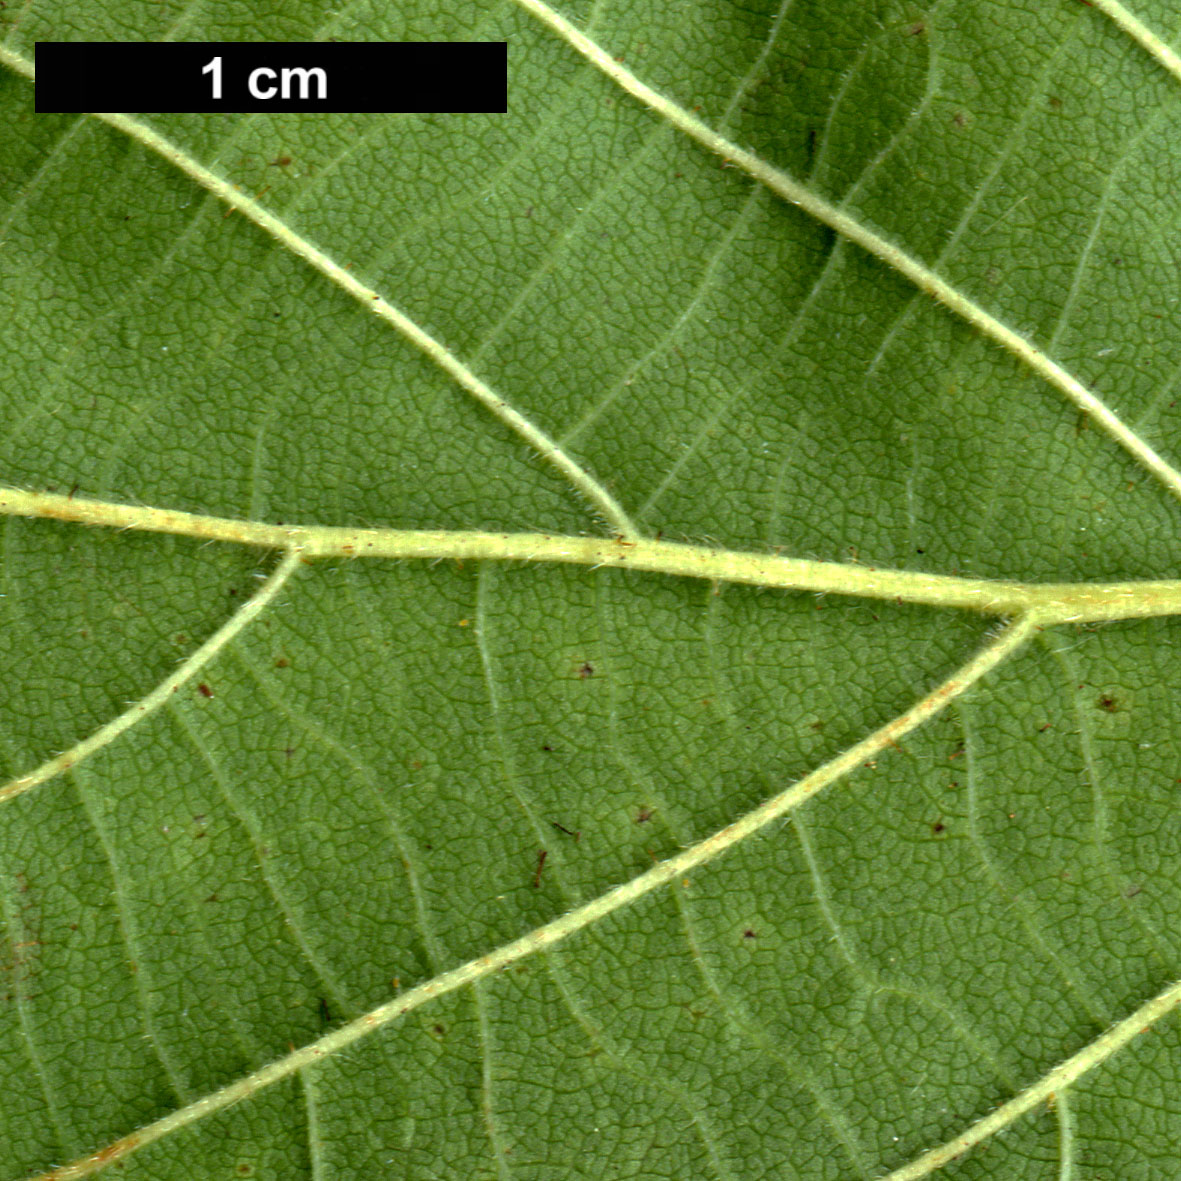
[[995, 652], [923, 277]]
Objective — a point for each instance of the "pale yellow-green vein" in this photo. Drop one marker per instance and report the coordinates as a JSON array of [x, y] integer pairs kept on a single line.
[[1052, 602], [1042, 1091], [869, 240], [148, 704], [1141, 34], [550, 934], [300, 246]]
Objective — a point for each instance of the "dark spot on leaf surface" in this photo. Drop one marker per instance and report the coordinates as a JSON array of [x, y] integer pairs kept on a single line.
[[644, 815], [938, 826], [204, 690], [587, 670], [1108, 703], [749, 933]]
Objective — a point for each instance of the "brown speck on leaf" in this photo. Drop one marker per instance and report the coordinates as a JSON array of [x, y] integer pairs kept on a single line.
[[279, 162], [114, 1151], [586, 670], [1132, 891], [282, 662], [542, 854], [1043, 729], [1108, 703], [438, 1030], [749, 934], [917, 29], [959, 119], [204, 690], [955, 754], [644, 815], [938, 826]]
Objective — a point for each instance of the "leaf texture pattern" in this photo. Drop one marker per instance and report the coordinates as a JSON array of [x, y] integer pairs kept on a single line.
[[452, 859]]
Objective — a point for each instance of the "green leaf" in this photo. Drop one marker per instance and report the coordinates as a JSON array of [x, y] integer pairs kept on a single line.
[[445, 845]]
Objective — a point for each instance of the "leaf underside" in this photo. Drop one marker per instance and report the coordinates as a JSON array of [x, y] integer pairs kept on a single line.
[[352, 797]]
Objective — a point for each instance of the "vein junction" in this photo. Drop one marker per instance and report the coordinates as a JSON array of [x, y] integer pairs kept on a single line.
[[1047, 603], [995, 651]]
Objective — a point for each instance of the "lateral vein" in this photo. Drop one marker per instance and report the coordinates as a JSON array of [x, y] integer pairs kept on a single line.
[[1141, 34], [148, 704], [223, 191], [869, 240], [548, 935], [1061, 1077]]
